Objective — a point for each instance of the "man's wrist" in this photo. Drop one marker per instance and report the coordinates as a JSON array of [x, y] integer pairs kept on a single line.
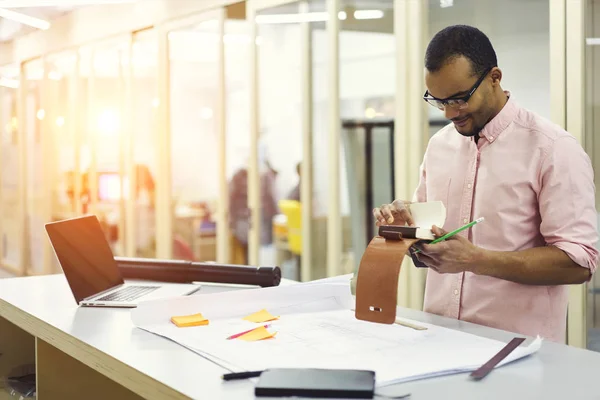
[[482, 261]]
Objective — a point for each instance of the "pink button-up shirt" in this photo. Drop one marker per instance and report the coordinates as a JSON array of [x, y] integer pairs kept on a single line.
[[534, 185]]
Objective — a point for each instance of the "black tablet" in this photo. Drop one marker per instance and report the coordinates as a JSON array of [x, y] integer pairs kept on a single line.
[[314, 382]]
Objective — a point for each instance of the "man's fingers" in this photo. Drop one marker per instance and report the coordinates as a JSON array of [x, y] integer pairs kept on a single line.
[[386, 213], [400, 207], [430, 262], [396, 212], [437, 231], [432, 249], [406, 216], [379, 220], [425, 259]]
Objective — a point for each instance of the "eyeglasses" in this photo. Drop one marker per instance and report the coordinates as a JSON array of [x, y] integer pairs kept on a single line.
[[459, 102]]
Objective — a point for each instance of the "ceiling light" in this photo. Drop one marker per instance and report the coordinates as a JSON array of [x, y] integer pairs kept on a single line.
[[58, 3], [24, 19], [593, 41], [9, 83], [446, 3], [291, 18], [368, 14], [321, 16]]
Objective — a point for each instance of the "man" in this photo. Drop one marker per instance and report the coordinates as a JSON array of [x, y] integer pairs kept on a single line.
[[529, 178]]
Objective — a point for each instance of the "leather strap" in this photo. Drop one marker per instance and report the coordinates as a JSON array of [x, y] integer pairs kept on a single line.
[[377, 280]]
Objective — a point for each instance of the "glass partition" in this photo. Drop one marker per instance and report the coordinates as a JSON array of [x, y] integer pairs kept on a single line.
[[36, 194], [237, 121], [280, 141], [367, 68], [144, 120], [293, 126], [280, 132], [61, 76], [194, 93], [59, 104], [107, 125], [9, 169]]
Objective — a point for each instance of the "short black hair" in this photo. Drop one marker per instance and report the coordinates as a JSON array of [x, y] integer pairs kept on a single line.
[[460, 40]]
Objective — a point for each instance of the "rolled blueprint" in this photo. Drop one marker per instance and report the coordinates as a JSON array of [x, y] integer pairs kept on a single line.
[[181, 271]]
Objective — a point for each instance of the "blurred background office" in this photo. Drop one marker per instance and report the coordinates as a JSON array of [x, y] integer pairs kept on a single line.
[[257, 132]]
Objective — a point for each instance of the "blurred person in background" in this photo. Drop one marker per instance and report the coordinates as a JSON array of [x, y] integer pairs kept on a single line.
[[294, 194], [239, 213]]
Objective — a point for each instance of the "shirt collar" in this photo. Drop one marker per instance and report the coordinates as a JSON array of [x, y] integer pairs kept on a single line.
[[500, 122]]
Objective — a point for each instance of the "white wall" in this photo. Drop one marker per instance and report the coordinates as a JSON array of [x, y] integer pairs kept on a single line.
[[519, 31]]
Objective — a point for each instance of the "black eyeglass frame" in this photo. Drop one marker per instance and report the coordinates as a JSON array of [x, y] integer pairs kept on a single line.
[[429, 98]]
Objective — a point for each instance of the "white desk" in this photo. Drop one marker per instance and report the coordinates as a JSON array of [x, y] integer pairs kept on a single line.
[[97, 354]]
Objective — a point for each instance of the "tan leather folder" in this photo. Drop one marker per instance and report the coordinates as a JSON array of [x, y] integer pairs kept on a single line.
[[379, 269]]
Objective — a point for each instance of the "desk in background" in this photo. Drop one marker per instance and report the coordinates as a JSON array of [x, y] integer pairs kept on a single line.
[[97, 353]]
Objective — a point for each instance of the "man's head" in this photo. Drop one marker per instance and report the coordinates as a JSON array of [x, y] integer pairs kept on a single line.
[[462, 77]]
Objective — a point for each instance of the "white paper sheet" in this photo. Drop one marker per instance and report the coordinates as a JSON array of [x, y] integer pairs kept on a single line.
[[317, 329]]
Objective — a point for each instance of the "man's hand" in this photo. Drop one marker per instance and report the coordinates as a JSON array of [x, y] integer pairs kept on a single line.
[[451, 256], [396, 213], [547, 265]]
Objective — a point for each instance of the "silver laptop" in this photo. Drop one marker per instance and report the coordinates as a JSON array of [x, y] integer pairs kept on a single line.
[[92, 272]]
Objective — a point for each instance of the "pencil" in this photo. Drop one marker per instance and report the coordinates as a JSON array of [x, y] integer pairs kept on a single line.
[[237, 335], [454, 232]]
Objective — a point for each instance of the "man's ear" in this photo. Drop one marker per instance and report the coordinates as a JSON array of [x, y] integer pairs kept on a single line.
[[496, 75]]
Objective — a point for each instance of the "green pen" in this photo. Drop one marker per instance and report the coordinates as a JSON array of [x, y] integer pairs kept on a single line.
[[454, 232]]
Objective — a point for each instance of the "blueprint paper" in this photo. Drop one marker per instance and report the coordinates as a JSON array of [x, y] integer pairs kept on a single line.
[[317, 329]]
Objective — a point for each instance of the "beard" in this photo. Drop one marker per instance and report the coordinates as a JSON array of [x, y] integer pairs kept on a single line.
[[471, 129]]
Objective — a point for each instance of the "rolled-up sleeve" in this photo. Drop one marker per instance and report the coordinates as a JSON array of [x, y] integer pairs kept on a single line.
[[567, 202]]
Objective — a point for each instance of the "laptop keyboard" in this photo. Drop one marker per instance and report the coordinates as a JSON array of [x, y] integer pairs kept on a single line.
[[128, 293]]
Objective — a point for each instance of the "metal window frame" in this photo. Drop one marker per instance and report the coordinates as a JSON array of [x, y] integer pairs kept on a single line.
[[575, 26]]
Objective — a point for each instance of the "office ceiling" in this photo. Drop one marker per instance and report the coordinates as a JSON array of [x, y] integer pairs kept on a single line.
[[47, 10], [10, 29]]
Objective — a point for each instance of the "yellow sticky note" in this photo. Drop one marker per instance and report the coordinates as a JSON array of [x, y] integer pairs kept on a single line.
[[185, 321], [259, 333], [260, 316]]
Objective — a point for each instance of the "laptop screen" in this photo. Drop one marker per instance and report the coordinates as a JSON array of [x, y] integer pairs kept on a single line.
[[84, 255]]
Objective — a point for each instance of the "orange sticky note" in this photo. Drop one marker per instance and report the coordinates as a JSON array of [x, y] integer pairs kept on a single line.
[[259, 333], [260, 316], [185, 321]]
